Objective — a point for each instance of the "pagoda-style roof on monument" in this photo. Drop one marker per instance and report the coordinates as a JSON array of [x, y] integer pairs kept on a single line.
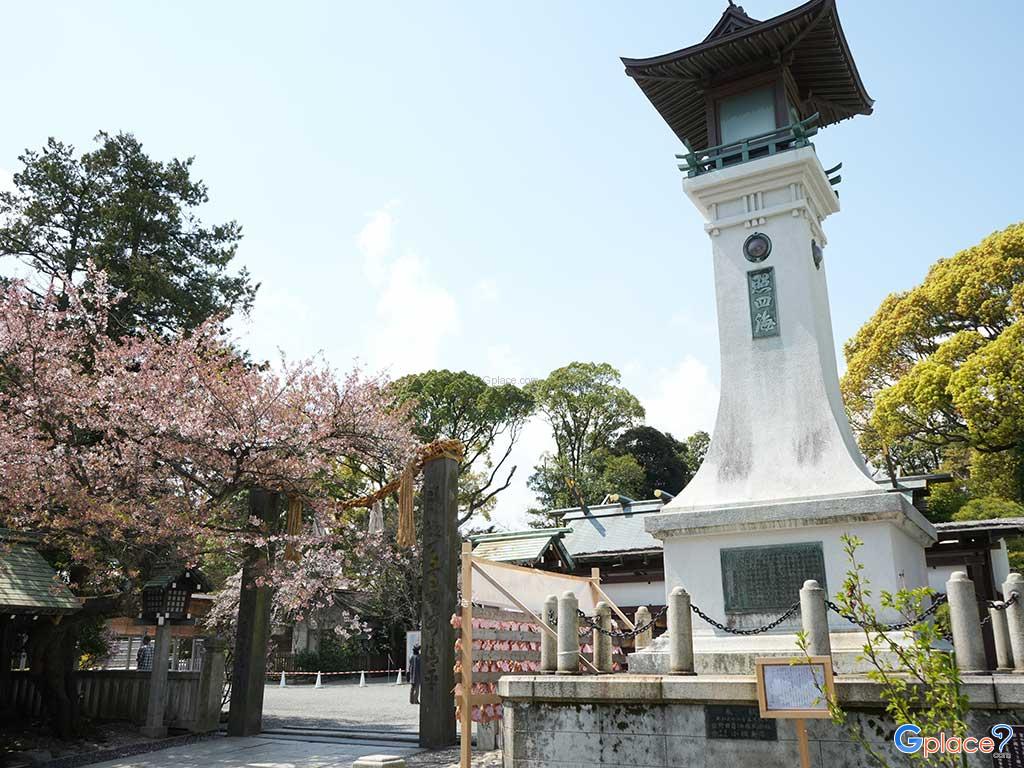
[[806, 44]]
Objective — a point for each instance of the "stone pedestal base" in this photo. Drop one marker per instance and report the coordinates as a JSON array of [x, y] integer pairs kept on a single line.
[[732, 655], [728, 560]]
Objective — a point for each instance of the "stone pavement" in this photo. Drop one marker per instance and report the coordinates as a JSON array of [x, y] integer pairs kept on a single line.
[[378, 706], [271, 752], [449, 758], [256, 752]]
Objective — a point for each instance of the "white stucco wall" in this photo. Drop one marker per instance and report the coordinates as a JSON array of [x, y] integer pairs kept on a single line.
[[891, 560], [636, 593]]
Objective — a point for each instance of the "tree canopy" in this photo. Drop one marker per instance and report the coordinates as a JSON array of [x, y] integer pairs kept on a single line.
[[131, 216], [487, 419], [586, 409], [662, 459], [936, 377], [125, 451]]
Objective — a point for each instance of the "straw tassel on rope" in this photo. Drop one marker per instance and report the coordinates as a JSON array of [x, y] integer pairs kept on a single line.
[[406, 524], [451, 449]]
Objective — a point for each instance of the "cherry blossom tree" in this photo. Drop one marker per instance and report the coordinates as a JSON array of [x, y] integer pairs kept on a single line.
[[123, 452]]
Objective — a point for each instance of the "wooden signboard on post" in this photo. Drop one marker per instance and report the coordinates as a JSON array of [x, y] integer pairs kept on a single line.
[[795, 688]]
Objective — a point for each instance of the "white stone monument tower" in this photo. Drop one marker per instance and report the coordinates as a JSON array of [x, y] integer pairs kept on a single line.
[[783, 478]]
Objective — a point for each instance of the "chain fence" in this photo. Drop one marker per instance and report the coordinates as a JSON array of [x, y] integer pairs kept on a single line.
[[793, 609], [999, 605], [591, 622]]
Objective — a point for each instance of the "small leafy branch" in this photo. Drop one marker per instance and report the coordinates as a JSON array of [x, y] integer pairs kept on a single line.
[[918, 683]]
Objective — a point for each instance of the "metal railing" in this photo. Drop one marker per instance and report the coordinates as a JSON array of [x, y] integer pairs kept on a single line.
[[792, 136]]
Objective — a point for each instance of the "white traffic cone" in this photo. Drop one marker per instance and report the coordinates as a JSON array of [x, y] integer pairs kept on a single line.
[[319, 682], [399, 680], [282, 683], [362, 679]]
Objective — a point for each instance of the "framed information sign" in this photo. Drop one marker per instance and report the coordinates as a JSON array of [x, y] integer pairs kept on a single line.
[[797, 688], [794, 687]]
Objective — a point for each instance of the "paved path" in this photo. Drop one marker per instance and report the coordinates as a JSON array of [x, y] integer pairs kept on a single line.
[[255, 752], [378, 706]]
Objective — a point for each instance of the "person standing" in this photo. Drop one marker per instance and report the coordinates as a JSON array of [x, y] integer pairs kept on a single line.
[[415, 674], [144, 658]]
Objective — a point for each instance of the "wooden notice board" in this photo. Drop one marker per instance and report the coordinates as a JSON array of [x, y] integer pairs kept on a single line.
[[795, 688]]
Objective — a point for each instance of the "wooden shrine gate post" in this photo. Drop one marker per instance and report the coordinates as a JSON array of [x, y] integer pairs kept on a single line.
[[439, 584], [245, 716]]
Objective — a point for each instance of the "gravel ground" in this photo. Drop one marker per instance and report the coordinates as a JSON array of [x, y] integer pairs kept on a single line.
[[378, 706]]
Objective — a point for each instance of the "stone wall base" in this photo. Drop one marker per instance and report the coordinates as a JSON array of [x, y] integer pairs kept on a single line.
[[638, 721]]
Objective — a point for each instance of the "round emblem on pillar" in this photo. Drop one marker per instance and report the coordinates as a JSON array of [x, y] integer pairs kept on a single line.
[[757, 247], [816, 254]]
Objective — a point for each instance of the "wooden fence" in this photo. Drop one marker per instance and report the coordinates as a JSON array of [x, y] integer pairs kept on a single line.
[[116, 694]]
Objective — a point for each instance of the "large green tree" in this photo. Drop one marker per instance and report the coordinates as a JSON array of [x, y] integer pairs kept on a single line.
[[587, 409], [487, 419], [131, 216], [936, 376], [662, 458]]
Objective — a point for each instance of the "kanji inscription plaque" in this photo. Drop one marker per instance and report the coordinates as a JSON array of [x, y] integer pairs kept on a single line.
[[768, 579], [764, 310]]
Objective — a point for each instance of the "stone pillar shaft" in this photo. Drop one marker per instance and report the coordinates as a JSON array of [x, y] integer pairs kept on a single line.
[[211, 686], [680, 631], [154, 727], [602, 642], [643, 616], [966, 625], [549, 643], [814, 616], [568, 634], [1014, 584], [1001, 638]]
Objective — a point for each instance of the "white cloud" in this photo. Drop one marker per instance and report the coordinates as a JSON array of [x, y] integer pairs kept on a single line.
[[375, 241], [681, 399], [485, 291], [414, 313], [414, 316]]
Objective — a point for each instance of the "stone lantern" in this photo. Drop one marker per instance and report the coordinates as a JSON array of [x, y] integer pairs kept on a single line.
[[168, 593], [166, 600], [783, 479]]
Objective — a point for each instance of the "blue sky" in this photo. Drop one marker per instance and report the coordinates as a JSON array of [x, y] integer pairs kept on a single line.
[[479, 186]]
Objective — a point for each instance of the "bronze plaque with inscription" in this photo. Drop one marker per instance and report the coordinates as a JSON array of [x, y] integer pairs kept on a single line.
[[732, 721], [768, 579]]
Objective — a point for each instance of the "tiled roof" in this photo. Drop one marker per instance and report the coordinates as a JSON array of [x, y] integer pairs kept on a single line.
[[993, 524], [27, 582], [610, 529], [518, 546]]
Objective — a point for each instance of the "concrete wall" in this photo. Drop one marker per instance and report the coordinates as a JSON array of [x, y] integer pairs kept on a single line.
[[647, 721], [554, 736]]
